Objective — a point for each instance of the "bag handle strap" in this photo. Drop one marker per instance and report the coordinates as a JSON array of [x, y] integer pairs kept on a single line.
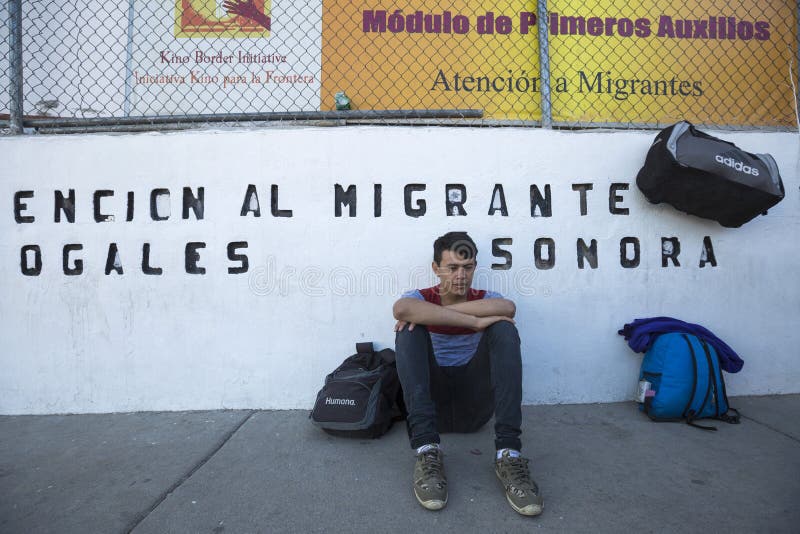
[[367, 347]]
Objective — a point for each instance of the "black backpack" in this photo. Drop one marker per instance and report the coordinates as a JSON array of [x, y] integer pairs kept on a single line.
[[362, 397], [708, 177]]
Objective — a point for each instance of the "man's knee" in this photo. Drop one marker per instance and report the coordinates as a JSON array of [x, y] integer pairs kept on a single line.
[[503, 331], [411, 340]]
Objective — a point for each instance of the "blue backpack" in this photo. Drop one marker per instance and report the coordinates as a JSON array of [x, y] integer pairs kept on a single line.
[[686, 381]]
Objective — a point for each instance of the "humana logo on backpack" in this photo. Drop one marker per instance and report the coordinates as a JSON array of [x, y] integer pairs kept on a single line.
[[735, 164], [344, 402]]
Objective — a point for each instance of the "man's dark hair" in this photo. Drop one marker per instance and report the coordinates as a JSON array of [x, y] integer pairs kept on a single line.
[[459, 243]]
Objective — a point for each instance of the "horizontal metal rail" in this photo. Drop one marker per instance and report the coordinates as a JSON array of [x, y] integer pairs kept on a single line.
[[62, 122]]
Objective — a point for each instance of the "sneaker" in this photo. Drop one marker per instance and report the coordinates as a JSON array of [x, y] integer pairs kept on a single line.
[[521, 491], [430, 484]]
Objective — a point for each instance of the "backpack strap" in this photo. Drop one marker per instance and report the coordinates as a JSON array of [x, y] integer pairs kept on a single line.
[[694, 382], [713, 370], [690, 413], [731, 419], [710, 378], [734, 418], [690, 421]]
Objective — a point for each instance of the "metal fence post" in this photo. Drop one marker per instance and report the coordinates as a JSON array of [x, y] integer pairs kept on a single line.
[[544, 64], [129, 60], [15, 64], [796, 73]]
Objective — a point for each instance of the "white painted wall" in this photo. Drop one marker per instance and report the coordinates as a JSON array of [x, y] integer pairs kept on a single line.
[[266, 339]]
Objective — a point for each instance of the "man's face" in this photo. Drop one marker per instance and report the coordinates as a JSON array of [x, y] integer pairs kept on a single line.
[[454, 273]]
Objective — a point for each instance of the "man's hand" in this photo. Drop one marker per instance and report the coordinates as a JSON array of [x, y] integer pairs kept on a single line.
[[399, 325], [482, 323]]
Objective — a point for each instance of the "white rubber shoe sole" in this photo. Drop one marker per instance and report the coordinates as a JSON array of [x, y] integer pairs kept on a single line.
[[433, 504], [530, 510]]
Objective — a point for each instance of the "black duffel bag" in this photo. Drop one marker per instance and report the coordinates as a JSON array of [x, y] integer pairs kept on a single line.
[[362, 397], [708, 177]]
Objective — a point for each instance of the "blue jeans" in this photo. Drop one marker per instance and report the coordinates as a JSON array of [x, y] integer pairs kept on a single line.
[[462, 398]]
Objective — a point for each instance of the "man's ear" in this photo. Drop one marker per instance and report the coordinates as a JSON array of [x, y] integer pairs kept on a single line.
[[435, 268]]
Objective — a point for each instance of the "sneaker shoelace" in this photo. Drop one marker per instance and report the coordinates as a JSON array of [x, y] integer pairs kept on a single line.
[[519, 475], [432, 468]]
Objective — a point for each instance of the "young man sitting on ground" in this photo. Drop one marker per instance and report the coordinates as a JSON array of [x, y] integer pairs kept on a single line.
[[458, 357]]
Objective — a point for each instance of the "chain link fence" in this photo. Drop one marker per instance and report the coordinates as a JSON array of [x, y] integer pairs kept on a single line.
[[562, 63]]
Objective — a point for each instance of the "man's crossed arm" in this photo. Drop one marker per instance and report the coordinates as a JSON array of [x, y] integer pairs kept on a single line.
[[475, 314]]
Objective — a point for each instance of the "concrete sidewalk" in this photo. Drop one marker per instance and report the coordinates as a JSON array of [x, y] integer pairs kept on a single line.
[[601, 468]]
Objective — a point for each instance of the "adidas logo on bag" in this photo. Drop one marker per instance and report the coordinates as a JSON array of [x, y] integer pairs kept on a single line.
[[736, 165], [345, 402]]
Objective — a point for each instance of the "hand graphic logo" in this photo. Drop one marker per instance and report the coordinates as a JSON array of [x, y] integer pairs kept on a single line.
[[218, 18], [248, 10]]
